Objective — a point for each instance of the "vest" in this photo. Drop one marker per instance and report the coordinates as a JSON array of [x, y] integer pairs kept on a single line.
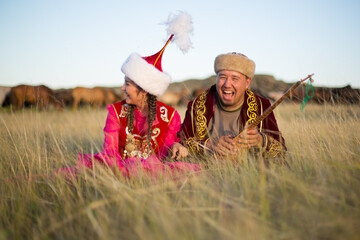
[[164, 114]]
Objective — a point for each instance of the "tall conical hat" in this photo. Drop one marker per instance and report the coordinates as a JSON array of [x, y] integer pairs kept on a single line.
[[147, 71]]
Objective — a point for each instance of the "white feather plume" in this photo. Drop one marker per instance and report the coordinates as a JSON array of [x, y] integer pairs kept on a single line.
[[181, 26]]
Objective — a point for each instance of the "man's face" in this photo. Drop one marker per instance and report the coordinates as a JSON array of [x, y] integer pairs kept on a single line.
[[231, 86]]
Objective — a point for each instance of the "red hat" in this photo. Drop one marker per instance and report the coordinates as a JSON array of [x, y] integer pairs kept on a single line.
[[147, 71]]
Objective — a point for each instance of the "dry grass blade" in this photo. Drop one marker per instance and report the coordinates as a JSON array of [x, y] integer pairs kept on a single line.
[[318, 197]]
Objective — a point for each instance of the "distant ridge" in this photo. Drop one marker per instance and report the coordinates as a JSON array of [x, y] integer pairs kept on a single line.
[[192, 84], [262, 84], [180, 93]]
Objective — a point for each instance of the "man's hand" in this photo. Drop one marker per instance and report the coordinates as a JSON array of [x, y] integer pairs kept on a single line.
[[223, 146], [250, 138], [178, 151]]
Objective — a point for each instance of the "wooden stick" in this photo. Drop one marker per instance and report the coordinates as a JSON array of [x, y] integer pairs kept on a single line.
[[273, 106]]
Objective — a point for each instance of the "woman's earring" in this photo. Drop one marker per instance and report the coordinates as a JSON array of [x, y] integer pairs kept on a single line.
[[145, 100]]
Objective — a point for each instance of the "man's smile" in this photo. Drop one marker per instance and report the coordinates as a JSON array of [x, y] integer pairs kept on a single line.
[[228, 94]]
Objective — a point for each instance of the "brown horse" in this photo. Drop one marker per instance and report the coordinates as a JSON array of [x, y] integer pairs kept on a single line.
[[40, 96], [64, 97], [175, 98], [4, 95], [96, 96], [346, 95], [111, 97]]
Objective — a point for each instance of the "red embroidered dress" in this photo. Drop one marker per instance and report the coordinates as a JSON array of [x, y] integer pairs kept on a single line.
[[159, 128], [164, 130], [199, 112]]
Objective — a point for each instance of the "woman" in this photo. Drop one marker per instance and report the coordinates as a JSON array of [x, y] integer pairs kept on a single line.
[[140, 130], [131, 145]]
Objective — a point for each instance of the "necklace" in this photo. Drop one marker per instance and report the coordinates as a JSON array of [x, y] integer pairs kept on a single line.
[[130, 148]]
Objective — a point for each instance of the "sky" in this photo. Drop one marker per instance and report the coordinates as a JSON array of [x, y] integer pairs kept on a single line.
[[69, 43]]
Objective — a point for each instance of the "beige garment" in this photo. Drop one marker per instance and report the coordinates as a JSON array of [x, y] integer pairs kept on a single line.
[[224, 123]]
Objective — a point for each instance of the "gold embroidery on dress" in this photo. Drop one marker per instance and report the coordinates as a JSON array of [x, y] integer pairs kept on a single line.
[[124, 109], [141, 145], [155, 134], [253, 107], [164, 114], [129, 146]]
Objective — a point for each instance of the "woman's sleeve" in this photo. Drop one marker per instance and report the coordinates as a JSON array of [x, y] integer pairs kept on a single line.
[[171, 135], [109, 154], [111, 132]]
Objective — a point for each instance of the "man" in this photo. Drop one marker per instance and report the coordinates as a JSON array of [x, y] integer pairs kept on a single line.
[[220, 113]]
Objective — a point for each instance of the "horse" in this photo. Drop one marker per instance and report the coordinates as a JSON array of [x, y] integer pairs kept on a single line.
[[346, 95], [112, 97], [4, 95], [40, 96], [175, 98], [93, 96], [64, 96], [96, 96]]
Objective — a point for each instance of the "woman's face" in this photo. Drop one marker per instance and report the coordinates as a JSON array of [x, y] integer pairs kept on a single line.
[[133, 94]]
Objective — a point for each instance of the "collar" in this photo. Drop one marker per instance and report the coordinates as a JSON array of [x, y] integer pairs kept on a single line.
[[228, 108]]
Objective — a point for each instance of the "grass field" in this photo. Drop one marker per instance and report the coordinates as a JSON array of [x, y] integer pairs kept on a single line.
[[317, 198]]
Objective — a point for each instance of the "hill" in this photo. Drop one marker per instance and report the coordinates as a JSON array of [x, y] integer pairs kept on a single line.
[[264, 85]]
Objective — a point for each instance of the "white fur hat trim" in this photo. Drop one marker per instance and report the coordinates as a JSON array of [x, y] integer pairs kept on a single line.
[[146, 75]]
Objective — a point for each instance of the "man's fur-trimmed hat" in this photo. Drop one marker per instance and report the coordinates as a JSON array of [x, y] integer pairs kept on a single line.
[[235, 62]]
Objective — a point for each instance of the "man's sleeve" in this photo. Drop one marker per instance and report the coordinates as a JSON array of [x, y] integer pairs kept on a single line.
[[274, 147], [188, 136]]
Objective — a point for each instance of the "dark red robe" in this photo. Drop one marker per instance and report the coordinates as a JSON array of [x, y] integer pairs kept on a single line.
[[200, 111]]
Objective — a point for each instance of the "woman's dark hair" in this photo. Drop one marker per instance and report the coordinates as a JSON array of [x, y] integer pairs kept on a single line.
[[151, 101]]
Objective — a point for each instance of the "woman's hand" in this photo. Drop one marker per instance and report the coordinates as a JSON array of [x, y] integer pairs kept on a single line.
[[178, 151]]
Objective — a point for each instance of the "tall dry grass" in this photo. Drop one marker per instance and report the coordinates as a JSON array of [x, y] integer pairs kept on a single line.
[[317, 198]]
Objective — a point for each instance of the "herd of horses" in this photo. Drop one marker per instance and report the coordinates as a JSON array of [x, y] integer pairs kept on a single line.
[[322, 95], [42, 97]]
